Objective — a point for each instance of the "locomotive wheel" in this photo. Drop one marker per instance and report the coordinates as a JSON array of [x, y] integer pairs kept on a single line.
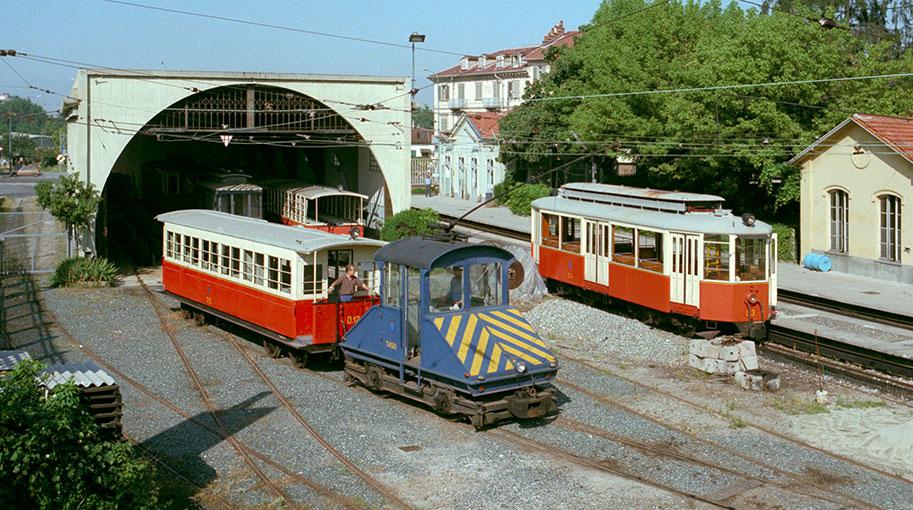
[[299, 359], [441, 402], [199, 318], [272, 350], [476, 420], [186, 313], [374, 379]]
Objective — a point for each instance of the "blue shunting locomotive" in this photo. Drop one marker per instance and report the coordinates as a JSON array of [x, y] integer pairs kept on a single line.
[[446, 335]]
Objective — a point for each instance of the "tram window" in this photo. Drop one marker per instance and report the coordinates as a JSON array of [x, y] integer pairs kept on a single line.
[[248, 266], [195, 252], [186, 254], [214, 256], [259, 268], [650, 250], [226, 258], [312, 279], [549, 230], [205, 255], [285, 276], [367, 273], [393, 285], [570, 234], [484, 284], [169, 245], [445, 288], [236, 262], [337, 260], [716, 257], [623, 245], [273, 274], [750, 259]]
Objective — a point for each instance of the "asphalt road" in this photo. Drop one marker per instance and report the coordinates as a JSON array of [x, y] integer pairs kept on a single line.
[[23, 186]]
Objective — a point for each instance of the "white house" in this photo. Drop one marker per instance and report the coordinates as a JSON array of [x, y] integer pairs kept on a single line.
[[491, 82], [468, 165]]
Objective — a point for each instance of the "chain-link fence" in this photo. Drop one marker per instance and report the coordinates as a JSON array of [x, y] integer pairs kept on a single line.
[[30, 242]]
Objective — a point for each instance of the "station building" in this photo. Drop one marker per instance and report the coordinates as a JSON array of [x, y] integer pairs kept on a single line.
[[856, 187], [147, 139]]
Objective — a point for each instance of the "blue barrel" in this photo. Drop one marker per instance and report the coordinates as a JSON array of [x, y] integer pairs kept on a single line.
[[817, 262]]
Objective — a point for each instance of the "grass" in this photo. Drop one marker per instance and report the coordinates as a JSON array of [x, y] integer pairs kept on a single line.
[[737, 423], [795, 406], [84, 271], [859, 403]]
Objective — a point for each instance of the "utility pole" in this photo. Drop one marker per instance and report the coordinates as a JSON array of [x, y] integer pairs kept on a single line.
[[414, 37]]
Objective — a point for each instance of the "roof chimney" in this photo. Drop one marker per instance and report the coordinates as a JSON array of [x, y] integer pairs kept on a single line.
[[556, 32]]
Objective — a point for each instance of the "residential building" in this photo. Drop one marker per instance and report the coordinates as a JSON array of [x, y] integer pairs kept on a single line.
[[422, 142], [856, 184], [492, 82], [468, 165]]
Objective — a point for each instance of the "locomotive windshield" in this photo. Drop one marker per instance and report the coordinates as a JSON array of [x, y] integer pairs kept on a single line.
[[446, 287]]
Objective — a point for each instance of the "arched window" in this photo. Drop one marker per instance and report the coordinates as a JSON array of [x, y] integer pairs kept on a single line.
[[839, 220], [890, 227], [475, 176]]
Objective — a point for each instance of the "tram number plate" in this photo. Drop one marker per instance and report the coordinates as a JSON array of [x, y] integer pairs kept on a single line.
[[390, 345], [352, 319]]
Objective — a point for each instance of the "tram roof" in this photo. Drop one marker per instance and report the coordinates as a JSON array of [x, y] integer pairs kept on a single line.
[[427, 253], [716, 222], [647, 193], [298, 239], [312, 191]]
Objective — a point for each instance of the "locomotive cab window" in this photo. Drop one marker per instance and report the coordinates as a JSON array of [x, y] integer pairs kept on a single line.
[[623, 245], [393, 285], [570, 234], [751, 259], [716, 257], [650, 250], [485, 284], [445, 288]]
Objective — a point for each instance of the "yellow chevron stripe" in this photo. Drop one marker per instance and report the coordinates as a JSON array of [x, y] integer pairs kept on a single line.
[[523, 345], [480, 353], [452, 330], [495, 359], [521, 355], [467, 337], [439, 322], [515, 331], [514, 320], [509, 365], [514, 311]]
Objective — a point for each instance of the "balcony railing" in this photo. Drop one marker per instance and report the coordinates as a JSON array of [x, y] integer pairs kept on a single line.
[[493, 102], [457, 103]]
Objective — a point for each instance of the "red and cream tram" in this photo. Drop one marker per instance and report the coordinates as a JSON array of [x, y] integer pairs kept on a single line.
[[680, 254], [266, 277], [324, 208]]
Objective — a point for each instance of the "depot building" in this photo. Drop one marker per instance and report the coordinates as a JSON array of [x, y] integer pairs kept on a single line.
[[856, 187]]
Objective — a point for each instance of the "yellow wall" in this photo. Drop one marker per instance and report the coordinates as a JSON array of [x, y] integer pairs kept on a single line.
[[882, 171]]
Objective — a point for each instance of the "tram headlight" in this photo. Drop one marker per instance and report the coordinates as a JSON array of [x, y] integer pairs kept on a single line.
[[752, 298]]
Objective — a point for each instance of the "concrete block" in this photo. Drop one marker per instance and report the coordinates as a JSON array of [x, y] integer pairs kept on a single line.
[[709, 350], [695, 346], [729, 352], [746, 348], [749, 363], [743, 380], [711, 366], [757, 380], [731, 367], [695, 362]]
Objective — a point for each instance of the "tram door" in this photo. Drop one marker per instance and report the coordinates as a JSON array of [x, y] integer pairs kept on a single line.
[[596, 253], [685, 281], [772, 252]]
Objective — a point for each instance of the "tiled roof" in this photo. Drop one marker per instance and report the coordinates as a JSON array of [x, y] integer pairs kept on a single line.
[[529, 53], [895, 132], [486, 123]]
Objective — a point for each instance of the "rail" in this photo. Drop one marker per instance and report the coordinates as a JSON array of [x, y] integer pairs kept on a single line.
[[846, 309]]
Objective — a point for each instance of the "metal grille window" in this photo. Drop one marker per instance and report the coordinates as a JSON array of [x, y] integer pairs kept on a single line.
[[716, 257], [890, 228], [839, 221]]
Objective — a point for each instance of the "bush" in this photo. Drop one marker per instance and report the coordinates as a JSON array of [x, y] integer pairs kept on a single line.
[[500, 191], [519, 200], [408, 223], [786, 242], [53, 456], [84, 271]]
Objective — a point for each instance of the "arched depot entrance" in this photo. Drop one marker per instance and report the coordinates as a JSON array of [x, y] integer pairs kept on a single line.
[[267, 132]]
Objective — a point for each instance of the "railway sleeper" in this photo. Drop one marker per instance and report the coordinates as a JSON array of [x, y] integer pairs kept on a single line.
[[525, 403]]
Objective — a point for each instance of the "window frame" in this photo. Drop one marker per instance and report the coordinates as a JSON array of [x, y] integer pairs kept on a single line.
[[890, 207], [838, 220]]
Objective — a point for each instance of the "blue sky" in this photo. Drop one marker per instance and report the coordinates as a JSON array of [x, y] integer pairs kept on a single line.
[[112, 35]]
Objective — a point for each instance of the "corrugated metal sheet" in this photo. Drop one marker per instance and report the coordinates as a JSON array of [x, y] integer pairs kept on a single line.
[[84, 375], [646, 193], [325, 191], [9, 359], [298, 239]]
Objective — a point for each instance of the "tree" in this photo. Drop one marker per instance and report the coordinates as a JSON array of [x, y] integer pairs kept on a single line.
[[408, 223], [53, 456], [423, 117], [728, 142], [70, 200]]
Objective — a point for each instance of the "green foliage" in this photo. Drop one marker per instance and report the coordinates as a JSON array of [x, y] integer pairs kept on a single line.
[[733, 143], [786, 242], [69, 200], [84, 271], [423, 117], [852, 403], [500, 190], [519, 199], [52, 455], [408, 223], [27, 117]]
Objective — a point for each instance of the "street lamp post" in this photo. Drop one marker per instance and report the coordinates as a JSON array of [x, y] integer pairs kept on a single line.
[[415, 37]]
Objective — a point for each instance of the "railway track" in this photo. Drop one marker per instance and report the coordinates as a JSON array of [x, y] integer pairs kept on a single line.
[[386, 492], [491, 229], [886, 317]]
